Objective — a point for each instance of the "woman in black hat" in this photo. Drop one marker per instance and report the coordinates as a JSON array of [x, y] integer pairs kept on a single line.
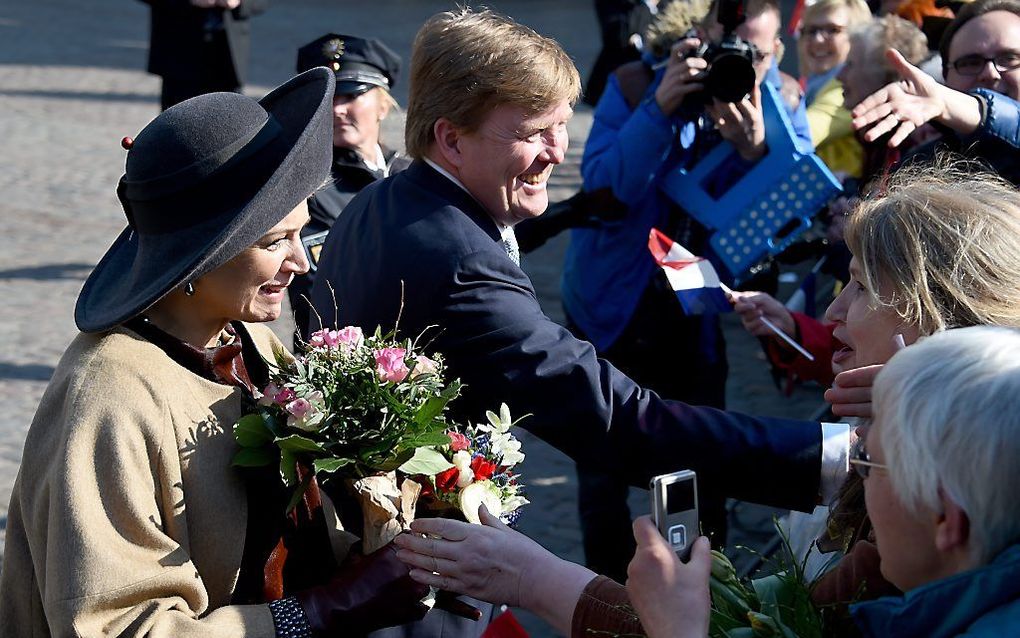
[[366, 70], [127, 518]]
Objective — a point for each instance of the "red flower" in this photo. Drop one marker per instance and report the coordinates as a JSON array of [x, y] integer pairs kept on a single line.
[[446, 481], [458, 441], [483, 469]]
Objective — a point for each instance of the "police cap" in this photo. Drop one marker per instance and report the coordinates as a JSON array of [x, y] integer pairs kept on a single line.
[[359, 63]]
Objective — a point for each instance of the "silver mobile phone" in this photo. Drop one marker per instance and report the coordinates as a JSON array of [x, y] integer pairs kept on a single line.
[[675, 509]]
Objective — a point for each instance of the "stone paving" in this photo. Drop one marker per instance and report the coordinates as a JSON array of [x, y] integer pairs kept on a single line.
[[72, 83]]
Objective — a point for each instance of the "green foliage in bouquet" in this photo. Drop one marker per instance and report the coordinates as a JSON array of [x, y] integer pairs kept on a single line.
[[352, 405], [776, 606]]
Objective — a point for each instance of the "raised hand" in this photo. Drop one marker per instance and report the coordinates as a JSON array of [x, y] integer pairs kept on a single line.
[[741, 124], [681, 76], [752, 306], [902, 107], [671, 598]]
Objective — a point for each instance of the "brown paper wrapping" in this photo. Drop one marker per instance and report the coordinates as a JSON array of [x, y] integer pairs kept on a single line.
[[386, 508]]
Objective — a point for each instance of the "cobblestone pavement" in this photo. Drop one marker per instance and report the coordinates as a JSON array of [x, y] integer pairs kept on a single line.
[[72, 83]]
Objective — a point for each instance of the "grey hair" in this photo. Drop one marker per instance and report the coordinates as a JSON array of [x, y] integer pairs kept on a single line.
[[949, 409]]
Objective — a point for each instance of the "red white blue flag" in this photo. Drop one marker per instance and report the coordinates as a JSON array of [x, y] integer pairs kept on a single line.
[[692, 278]]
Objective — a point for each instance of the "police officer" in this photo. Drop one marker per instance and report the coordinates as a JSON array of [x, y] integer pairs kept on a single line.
[[366, 70]]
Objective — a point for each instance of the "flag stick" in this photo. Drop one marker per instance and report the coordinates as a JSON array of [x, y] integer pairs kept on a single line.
[[776, 329]]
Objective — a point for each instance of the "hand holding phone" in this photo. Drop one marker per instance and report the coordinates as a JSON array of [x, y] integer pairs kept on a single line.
[[675, 509]]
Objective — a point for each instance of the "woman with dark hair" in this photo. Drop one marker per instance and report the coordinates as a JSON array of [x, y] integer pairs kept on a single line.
[[127, 518]]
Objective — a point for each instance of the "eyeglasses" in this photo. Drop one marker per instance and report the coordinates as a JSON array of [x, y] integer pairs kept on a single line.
[[862, 463], [974, 64], [825, 30]]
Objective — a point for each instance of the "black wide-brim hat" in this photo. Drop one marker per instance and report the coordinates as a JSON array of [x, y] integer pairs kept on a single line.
[[204, 181]]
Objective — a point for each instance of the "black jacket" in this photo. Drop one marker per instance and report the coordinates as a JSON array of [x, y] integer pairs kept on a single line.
[[350, 174], [178, 30]]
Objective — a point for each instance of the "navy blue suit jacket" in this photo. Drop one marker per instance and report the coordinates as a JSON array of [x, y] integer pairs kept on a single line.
[[419, 234]]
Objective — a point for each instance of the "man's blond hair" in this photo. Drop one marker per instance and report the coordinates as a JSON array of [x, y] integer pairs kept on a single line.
[[464, 63]]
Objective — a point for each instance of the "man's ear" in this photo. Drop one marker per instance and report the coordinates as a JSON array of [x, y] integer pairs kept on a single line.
[[780, 51], [952, 526], [448, 139]]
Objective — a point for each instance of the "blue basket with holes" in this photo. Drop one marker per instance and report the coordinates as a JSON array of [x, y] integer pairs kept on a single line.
[[768, 208]]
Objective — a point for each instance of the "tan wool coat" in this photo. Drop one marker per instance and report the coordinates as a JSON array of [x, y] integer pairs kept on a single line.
[[127, 518]]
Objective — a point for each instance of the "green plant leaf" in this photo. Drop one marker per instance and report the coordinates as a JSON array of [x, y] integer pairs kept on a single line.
[[432, 408], [426, 461], [328, 466], [253, 457], [298, 443], [426, 439], [251, 431], [288, 467]]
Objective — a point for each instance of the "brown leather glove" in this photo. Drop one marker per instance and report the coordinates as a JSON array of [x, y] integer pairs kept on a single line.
[[366, 595]]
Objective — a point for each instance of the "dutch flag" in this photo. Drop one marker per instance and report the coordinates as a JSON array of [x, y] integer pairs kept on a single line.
[[694, 279]]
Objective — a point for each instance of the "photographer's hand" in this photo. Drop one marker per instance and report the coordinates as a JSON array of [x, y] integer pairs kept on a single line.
[[741, 124], [680, 79]]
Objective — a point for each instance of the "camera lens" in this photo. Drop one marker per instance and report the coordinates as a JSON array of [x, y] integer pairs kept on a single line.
[[730, 78]]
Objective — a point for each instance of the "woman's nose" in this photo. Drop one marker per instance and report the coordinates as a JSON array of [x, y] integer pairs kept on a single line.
[[836, 312], [298, 260]]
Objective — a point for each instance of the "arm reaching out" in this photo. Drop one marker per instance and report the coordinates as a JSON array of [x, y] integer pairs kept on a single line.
[[902, 107], [494, 563]]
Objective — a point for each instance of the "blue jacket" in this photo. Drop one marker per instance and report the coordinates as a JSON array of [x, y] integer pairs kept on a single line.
[[994, 143], [981, 603], [607, 268]]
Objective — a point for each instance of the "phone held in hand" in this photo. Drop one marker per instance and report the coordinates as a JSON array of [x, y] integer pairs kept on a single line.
[[675, 509]]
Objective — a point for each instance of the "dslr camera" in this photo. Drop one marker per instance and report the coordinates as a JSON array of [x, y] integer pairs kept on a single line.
[[730, 74]]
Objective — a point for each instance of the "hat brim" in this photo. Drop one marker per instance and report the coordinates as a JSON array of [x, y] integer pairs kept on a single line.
[[133, 275]]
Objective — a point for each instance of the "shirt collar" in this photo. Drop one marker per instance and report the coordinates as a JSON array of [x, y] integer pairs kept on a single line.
[[380, 162]]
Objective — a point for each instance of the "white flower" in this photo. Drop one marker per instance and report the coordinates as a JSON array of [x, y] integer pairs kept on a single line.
[[498, 423], [465, 475], [508, 449], [477, 494]]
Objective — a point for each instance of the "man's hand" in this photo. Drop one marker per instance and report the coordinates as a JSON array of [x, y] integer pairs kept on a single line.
[[850, 394], [904, 106], [671, 598], [681, 77], [752, 306], [741, 124]]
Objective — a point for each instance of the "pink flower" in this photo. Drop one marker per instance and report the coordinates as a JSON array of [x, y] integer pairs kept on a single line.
[[424, 365], [269, 394], [284, 396], [390, 364], [350, 337], [299, 407], [458, 441]]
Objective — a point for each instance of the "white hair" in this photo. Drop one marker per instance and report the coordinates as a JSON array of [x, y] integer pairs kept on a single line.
[[949, 408]]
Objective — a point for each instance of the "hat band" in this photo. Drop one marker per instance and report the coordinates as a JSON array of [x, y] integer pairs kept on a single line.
[[235, 152], [220, 194]]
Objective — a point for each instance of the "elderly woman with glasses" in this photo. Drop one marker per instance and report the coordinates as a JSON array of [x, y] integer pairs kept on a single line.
[[977, 107], [941, 476]]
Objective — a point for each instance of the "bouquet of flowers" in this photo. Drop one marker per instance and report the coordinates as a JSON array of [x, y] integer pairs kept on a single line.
[[371, 410], [776, 606], [482, 459]]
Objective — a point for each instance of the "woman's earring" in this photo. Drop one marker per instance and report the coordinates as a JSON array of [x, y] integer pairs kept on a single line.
[[189, 289]]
